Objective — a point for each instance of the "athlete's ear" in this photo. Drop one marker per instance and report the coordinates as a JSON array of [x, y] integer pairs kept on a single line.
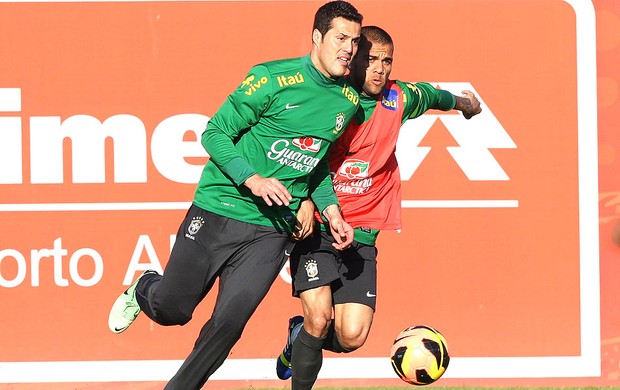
[[317, 37]]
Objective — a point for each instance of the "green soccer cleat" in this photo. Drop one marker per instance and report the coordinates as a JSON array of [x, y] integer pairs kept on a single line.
[[126, 308]]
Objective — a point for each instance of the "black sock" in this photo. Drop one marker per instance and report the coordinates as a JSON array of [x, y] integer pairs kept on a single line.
[[331, 343], [307, 359]]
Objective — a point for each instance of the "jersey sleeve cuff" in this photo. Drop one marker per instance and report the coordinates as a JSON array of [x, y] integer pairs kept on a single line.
[[322, 201], [238, 170], [447, 101]]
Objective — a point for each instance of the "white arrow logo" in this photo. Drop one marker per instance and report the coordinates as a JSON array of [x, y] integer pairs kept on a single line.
[[475, 137]]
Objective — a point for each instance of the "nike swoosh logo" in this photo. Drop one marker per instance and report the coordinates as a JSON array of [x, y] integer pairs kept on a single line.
[[289, 106], [369, 295], [286, 253]]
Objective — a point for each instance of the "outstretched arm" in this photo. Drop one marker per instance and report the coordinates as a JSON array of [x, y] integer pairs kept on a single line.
[[423, 96]]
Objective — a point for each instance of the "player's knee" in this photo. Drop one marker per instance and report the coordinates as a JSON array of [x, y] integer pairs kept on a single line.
[[171, 313], [171, 317], [351, 344], [317, 324], [352, 339]]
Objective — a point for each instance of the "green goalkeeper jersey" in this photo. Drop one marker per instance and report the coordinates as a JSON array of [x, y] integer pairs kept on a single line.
[[280, 123]]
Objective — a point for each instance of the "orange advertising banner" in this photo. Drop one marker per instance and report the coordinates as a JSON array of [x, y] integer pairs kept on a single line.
[[101, 109]]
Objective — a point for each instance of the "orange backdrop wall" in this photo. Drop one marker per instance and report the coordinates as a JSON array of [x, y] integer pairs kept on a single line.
[[509, 218]]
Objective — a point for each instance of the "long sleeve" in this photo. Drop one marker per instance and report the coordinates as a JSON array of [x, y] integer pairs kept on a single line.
[[321, 187], [421, 97], [234, 117]]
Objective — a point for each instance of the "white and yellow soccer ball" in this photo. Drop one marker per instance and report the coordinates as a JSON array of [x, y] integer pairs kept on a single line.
[[419, 355]]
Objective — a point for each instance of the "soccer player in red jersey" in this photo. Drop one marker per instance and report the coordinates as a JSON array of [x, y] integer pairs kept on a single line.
[[338, 288]]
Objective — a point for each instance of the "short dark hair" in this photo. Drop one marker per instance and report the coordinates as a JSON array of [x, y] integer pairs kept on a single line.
[[332, 10], [377, 34]]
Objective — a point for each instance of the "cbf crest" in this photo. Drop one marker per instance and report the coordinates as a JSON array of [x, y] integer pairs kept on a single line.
[[312, 270], [339, 123], [194, 227]]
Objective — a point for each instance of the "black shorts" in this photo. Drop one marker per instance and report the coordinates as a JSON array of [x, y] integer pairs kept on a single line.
[[352, 273]]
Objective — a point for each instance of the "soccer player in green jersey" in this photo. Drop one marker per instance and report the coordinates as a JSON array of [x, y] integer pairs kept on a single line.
[[338, 288], [268, 146]]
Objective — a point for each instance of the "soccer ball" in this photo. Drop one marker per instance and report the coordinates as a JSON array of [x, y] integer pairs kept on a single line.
[[419, 355]]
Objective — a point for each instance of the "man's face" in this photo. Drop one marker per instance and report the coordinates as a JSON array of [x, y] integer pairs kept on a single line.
[[335, 50], [372, 67]]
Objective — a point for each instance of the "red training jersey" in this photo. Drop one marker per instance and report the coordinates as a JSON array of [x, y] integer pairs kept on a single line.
[[365, 172]]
